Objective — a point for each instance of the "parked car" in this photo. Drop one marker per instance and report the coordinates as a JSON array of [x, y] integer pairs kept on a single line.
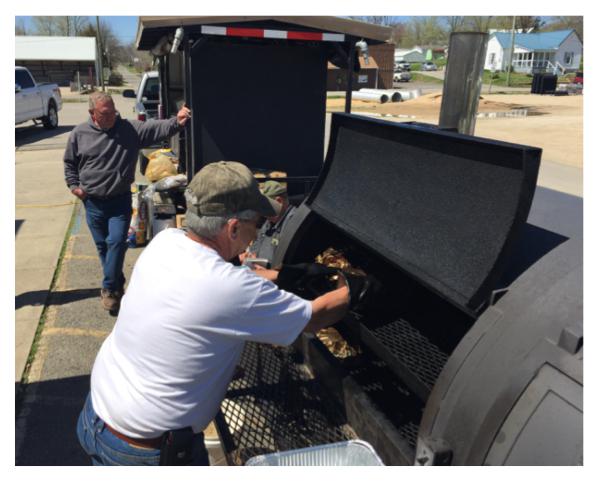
[[402, 66], [402, 76], [147, 99], [37, 102], [429, 67], [147, 96]]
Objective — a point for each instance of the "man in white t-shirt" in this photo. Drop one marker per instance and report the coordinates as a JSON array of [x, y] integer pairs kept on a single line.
[[161, 374]]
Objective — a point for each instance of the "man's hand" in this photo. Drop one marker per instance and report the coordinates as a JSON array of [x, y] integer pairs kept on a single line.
[[364, 291], [79, 192], [183, 115]]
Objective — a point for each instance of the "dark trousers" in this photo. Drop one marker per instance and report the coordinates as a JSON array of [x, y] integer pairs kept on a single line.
[[108, 220]]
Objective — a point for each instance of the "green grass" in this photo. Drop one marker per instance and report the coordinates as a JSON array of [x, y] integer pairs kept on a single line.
[[421, 77], [500, 79]]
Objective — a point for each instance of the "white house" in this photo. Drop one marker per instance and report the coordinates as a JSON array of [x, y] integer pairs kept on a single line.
[[59, 60], [415, 54], [560, 51]]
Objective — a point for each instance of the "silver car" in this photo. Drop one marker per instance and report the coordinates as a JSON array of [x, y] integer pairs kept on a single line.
[[429, 66], [402, 76]]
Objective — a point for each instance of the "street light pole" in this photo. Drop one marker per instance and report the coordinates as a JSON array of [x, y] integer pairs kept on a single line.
[[509, 65], [100, 51]]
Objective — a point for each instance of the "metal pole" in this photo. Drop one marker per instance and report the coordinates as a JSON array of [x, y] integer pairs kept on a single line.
[[463, 81], [350, 74], [100, 50], [509, 65]]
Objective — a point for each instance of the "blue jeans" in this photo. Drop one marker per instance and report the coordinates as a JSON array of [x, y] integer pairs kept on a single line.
[[105, 449], [109, 220]]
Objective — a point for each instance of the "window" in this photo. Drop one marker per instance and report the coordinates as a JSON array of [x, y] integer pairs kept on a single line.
[[568, 58], [152, 89], [492, 59], [23, 78]]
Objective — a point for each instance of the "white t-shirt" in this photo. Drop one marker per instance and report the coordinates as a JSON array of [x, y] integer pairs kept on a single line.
[[180, 333]]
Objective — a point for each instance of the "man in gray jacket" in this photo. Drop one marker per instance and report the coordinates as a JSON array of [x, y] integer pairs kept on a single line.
[[99, 165]]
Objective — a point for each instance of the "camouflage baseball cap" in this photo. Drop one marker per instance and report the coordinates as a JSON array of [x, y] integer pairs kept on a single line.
[[225, 188], [272, 189]]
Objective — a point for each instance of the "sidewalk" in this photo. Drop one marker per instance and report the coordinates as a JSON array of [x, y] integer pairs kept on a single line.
[[58, 380]]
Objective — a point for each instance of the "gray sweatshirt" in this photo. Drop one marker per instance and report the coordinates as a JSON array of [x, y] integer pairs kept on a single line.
[[102, 162]]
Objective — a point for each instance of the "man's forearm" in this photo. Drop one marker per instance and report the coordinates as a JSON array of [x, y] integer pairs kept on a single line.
[[268, 274], [152, 131], [328, 309]]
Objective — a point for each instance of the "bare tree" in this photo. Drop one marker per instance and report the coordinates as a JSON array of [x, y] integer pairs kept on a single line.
[[532, 24], [20, 28], [479, 24], [113, 51], [564, 23], [376, 20], [424, 31], [455, 24], [398, 33], [45, 25], [71, 26]]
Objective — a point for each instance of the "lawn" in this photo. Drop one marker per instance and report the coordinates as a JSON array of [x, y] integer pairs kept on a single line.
[[422, 77], [500, 79]]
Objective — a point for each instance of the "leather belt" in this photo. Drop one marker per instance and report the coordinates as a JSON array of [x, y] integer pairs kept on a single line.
[[152, 443]]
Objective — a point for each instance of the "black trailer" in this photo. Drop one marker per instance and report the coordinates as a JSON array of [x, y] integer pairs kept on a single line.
[[256, 86]]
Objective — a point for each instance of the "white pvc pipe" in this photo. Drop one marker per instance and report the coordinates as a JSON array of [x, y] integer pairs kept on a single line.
[[410, 94], [378, 97], [394, 95]]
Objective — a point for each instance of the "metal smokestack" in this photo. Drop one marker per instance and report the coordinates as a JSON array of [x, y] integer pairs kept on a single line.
[[463, 81]]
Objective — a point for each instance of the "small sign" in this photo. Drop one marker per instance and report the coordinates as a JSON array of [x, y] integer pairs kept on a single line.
[[362, 79]]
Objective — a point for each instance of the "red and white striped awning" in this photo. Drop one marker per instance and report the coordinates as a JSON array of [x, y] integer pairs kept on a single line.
[[264, 33]]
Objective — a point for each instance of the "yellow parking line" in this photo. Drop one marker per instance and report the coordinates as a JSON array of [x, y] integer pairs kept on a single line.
[[74, 331], [79, 256]]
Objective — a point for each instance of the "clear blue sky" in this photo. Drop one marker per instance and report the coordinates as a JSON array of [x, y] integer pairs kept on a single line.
[[124, 28]]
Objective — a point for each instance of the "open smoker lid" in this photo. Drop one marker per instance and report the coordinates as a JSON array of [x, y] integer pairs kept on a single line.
[[443, 207]]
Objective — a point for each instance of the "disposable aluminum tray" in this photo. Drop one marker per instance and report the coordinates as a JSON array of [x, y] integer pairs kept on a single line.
[[347, 453]]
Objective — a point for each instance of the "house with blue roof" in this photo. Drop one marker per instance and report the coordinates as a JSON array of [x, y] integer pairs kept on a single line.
[[559, 51]]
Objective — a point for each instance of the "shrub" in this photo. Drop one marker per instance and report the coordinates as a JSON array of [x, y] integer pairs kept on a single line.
[[115, 79]]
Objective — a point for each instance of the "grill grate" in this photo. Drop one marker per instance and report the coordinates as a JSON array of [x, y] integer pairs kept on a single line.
[[275, 405], [409, 353], [391, 396], [414, 350]]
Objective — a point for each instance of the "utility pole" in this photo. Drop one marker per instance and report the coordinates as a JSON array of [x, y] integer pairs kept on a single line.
[[100, 52], [509, 65]]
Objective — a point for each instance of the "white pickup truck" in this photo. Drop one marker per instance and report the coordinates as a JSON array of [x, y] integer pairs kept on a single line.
[[35, 101], [147, 96]]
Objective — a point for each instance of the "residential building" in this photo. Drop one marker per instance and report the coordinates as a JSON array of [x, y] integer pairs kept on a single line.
[[559, 51]]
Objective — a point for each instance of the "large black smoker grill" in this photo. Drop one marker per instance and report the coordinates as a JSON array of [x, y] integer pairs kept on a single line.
[[475, 354]]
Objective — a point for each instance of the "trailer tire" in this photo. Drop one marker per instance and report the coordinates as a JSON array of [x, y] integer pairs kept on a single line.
[[50, 121]]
